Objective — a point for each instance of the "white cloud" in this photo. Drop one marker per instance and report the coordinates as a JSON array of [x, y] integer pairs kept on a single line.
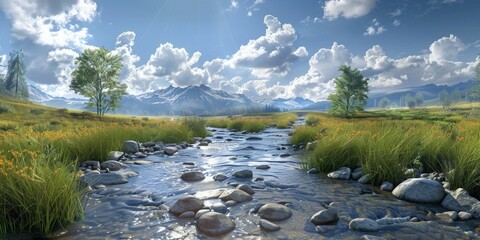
[[396, 23], [3, 64], [446, 48], [396, 13], [334, 9], [233, 5], [374, 29], [254, 7], [309, 20]]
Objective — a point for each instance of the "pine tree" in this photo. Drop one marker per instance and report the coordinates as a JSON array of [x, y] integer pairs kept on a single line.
[[15, 81]]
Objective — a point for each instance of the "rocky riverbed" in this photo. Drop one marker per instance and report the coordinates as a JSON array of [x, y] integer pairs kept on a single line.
[[248, 186]]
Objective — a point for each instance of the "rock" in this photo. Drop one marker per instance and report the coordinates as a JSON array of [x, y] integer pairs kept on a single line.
[[95, 178], [246, 189], [325, 216], [357, 174], [170, 150], [215, 224], [390, 221], [219, 207], [325, 228], [230, 203], [464, 216], [235, 195], [115, 155], [274, 212], [254, 139], [243, 174], [386, 186], [263, 167], [188, 214], [412, 173], [342, 173], [130, 147], [459, 200], [189, 163], [192, 176], [128, 174], [312, 171], [148, 144], [203, 144], [268, 226], [420, 190], [414, 219], [142, 162], [364, 225], [370, 237], [94, 165], [201, 212], [185, 204], [258, 179], [310, 146], [113, 165], [284, 155], [140, 155], [449, 215], [364, 179], [220, 177]]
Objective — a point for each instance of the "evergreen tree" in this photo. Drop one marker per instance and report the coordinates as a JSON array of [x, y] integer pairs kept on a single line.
[[15, 81]]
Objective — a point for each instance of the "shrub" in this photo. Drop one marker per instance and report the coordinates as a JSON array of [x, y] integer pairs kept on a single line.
[[37, 111], [6, 108]]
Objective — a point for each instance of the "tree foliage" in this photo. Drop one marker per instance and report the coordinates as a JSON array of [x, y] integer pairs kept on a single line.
[[444, 98], [15, 81], [475, 89], [350, 94], [419, 99], [384, 102], [96, 77], [410, 101]]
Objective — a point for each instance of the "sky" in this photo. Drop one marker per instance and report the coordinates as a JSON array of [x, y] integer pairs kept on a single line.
[[264, 49]]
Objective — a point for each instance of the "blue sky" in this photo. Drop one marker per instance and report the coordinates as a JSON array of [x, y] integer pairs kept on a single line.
[[262, 48]]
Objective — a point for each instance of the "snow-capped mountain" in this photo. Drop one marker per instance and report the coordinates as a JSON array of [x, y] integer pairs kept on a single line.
[[286, 104]]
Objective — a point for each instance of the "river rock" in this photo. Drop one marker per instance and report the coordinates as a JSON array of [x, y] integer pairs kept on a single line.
[[364, 225], [115, 155], [201, 212], [140, 155], [364, 179], [192, 176], [420, 190], [220, 177], [264, 167], [325, 216], [386, 186], [230, 203], [215, 224], [94, 165], [342, 173], [219, 207], [185, 204], [325, 228], [235, 195], [128, 174], [188, 214], [460, 200], [246, 188], [274, 212], [312, 171], [170, 150], [357, 174], [390, 221], [113, 165], [130, 147], [464, 216], [243, 174], [254, 138], [148, 144], [268, 226], [95, 178], [142, 162], [449, 215], [284, 155]]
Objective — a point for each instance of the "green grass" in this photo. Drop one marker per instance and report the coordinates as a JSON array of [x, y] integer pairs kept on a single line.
[[254, 123]]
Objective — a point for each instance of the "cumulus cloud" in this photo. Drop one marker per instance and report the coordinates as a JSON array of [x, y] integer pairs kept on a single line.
[[374, 29], [334, 9], [446, 48]]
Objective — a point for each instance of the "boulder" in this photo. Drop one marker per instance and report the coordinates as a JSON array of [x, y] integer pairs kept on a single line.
[[460, 200], [268, 226], [364, 179], [274, 212], [357, 174], [192, 176], [264, 167], [115, 155], [390, 220], [188, 214], [140, 155], [325, 228], [220, 177], [464, 216], [342, 173], [364, 225], [215, 224], [235, 195], [246, 189], [185, 204], [325, 216], [386, 186], [420, 190], [94, 165], [243, 174], [219, 207], [113, 165], [95, 178], [130, 147], [201, 212], [254, 138], [142, 162], [449, 215], [148, 144], [170, 150]]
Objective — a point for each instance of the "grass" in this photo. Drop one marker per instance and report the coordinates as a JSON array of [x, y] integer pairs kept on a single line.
[[253, 123], [385, 146], [40, 148]]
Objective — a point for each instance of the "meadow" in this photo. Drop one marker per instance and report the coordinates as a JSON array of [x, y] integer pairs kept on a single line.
[[253, 123], [387, 142]]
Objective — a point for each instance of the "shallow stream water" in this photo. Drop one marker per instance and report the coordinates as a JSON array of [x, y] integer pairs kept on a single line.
[[138, 209]]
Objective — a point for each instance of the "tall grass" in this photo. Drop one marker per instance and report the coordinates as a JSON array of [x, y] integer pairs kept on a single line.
[[255, 123]]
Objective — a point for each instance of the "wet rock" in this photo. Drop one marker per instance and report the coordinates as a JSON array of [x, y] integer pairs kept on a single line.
[[386, 186], [325, 216], [390, 221], [449, 215], [268, 226], [370, 237], [464, 216], [343, 173], [201, 212], [115, 155], [130, 147], [203, 144], [113, 165], [365, 190], [220, 178], [235, 195], [312, 171], [142, 162], [95, 178], [357, 174], [243, 174], [259, 179], [274, 212], [189, 163], [219, 207], [246, 189], [128, 174], [94, 165], [170, 150], [192, 176], [420, 190], [263, 167], [215, 224], [230, 203], [185, 204], [460, 200], [325, 228], [188, 214], [148, 144], [284, 155], [364, 225], [364, 179], [140, 155], [254, 138]]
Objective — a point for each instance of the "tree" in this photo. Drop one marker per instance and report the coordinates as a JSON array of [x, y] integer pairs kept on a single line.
[[419, 99], [15, 81], [456, 95], [410, 101], [350, 94], [96, 77], [444, 98], [474, 91], [384, 102]]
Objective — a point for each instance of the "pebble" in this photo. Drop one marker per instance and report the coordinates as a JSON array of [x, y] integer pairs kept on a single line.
[[268, 226]]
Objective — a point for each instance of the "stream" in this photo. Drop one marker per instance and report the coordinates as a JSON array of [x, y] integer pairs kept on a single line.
[[139, 208]]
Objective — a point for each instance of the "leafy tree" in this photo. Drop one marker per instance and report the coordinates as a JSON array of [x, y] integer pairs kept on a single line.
[[350, 94], [410, 101], [419, 99], [96, 77], [384, 102], [15, 81], [456, 95], [475, 89], [444, 98]]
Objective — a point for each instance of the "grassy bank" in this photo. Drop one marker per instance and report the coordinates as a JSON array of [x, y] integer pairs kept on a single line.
[[386, 143], [40, 148], [254, 123]]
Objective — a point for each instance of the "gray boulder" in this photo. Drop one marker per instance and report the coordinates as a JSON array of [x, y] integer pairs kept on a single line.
[[420, 190], [148, 144], [268, 226], [185, 204], [342, 173], [95, 178], [130, 146], [170, 150], [215, 224], [94, 165], [364, 225], [115, 155], [235, 195], [264, 167], [390, 221], [460, 200], [246, 188], [113, 165], [357, 174], [325, 216], [274, 212], [192, 176], [220, 177], [364, 179], [386, 186], [243, 174]]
